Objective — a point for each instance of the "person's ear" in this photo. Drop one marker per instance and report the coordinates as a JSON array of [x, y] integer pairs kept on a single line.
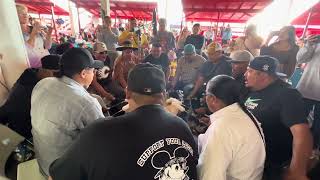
[[128, 94], [83, 73]]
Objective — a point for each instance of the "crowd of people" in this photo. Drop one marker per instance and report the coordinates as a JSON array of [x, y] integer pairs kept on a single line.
[[258, 125]]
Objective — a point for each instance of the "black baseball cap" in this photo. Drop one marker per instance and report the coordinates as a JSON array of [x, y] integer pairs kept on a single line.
[[147, 79], [266, 64], [51, 62], [77, 59]]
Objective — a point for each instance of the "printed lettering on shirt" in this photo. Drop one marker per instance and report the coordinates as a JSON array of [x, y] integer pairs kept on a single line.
[[251, 104], [170, 165]]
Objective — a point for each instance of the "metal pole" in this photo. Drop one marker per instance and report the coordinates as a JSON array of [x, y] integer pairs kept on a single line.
[[307, 24], [78, 18], [53, 22]]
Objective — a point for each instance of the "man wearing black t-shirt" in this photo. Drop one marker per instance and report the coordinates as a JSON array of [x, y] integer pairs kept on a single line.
[[280, 110], [146, 143], [196, 39], [217, 64], [158, 58]]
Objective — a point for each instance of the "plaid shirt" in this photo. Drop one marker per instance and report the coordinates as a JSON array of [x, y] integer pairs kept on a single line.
[[187, 71]]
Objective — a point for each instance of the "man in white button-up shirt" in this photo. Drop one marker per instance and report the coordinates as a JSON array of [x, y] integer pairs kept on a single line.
[[233, 146]]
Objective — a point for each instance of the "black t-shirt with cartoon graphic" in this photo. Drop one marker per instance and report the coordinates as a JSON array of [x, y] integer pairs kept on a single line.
[[277, 107], [148, 143]]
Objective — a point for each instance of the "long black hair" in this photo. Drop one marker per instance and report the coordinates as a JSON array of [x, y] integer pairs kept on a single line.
[[228, 90]]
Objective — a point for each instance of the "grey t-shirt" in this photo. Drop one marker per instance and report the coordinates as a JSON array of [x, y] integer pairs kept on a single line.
[[110, 38], [60, 109]]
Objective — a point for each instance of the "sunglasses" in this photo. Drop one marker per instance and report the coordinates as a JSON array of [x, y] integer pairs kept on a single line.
[[102, 53]]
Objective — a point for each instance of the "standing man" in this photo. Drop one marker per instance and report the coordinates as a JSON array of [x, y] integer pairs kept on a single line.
[[196, 39], [62, 107], [280, 110], [109, 37], [157, 57], [133, 34], [164, 37], [146, 143], [217, 64]]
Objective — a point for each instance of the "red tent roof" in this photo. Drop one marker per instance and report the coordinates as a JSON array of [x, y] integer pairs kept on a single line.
[[314, 19], [42, 7], [121, 9], [232, 11]]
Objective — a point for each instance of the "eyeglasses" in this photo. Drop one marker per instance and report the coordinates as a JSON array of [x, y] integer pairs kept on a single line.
[[102, 53]]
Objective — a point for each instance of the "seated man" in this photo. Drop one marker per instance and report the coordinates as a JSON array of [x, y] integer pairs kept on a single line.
[[217, 64], [188, 68], [16, 110], [102, 77], [61, 107], [157, 57], [124, 64], [146, 143]]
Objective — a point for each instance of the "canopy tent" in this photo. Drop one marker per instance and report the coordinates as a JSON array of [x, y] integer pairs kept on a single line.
[[121, 9], [231, 11], [42, 7], [314, 18], [314, 21]]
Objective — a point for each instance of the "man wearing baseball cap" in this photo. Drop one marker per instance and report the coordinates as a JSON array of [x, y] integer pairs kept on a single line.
[[217, 64], [239, 61], [102, 77], [280, 110], [188, 68], [61, 107], [146, 143]]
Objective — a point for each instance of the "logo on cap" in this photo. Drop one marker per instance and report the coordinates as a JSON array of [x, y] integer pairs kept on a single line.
[[265, 67], [147, 90]]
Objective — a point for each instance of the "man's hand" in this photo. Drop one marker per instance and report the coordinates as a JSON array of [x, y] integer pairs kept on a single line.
[[109, 96], [313, 39], [205, 120], [288, 175], [49, 32]]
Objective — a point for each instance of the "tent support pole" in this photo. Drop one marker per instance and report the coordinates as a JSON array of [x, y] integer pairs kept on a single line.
[[307, 24], [53, 23]]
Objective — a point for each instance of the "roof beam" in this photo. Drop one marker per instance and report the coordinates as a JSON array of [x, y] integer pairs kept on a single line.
[[120, 8], [216, 20], [36, 3], [223, 10], [189, 14]]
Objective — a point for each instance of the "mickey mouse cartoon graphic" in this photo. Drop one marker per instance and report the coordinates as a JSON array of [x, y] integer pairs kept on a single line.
[[171, 167]]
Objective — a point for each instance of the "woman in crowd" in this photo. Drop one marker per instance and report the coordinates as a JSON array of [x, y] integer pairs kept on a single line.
[[250, 42], [284, 49], [37, 37]]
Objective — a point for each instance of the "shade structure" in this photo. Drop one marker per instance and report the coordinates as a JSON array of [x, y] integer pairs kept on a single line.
[[42, 7], [314, 18], [231, 11], [121, 9]]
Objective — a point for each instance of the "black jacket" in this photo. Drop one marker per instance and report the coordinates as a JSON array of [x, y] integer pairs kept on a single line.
[[16, 110]]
